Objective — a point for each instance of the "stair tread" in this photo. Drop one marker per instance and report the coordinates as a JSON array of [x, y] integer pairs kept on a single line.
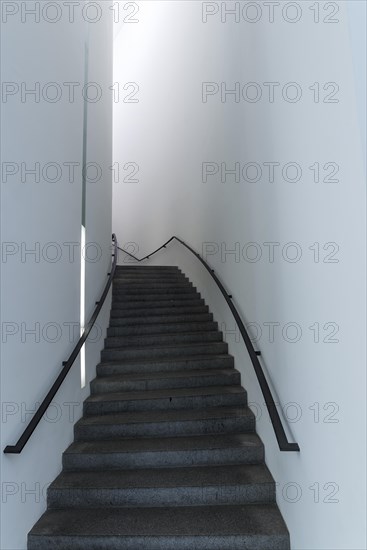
[[146, 268], [184, 345], [143, 381], [147, 280], [154, 278], [147, 340], [165, 416], [164, 393], [119, 284], [254, 519], [199, 315], [167, 374], [196, 476], [176, 324], [172, 307], [156, 444], [157, 334], [189, 359], [174, 302], [150, 329], [157, 314], [165, 294], [131, 301], [147, 301], [128, 300], [170, 293], [120, 267], [189, 305], [172, 273], [151, 283]]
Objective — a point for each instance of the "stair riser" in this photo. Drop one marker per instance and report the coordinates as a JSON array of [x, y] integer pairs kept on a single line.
[[159, 496], [165, 429], [145, 287], [165, 328], [162, 339], [149, 274], [135, 307], [149, 291], [130, 267], [103, 385], [135, 282], [210, 349], [169, 366], [160, 315], [136, 278], [182, 297], [183, 542], [146, 270], [168, 403], [162, 459]]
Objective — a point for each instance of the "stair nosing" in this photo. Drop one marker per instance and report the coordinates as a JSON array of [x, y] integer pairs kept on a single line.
[[146, 444], [137, 417], [148, 395], [157, 375]]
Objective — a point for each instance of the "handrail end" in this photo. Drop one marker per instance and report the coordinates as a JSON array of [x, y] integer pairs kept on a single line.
[[289, 447], [11, 449]]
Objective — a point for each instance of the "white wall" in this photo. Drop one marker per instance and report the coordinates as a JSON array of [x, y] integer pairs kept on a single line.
[[171, 132], [99, 192], [36, 289]]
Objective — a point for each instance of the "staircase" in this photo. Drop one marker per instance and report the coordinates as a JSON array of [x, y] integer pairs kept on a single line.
[[166, 455]]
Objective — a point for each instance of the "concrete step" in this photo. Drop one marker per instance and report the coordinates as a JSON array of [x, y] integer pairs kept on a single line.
[[161, 328], [149, 274], [108, 368], [160, 452], [215, 420], [149, 285], [188, 303], [152, 276], [164, 380], [147, 268], [250, 527], [165, 399], [166, 313], [125, 290], [153, 279], [138, 283], [136, 270], [197, 486], [175, 350], [155, 296], [146, 340]]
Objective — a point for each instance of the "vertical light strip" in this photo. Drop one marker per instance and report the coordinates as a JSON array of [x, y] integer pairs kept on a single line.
[[83, 224], [82, 304]]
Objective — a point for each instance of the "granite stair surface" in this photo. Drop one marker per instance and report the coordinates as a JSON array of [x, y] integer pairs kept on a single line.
[[166, 455]]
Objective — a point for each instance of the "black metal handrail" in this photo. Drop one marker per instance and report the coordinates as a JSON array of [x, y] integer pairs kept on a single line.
[[18, 447], [284, 444]]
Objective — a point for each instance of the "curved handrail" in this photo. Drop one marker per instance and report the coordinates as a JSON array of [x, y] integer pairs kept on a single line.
[[18, 447], [284, 444]]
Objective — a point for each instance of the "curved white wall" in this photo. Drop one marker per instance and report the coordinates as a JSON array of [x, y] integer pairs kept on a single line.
[[312, 292]]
